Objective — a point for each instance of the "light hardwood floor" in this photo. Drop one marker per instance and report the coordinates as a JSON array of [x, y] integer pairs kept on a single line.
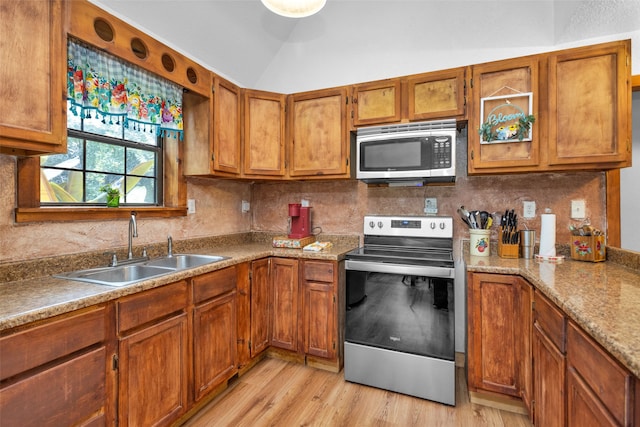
[[280, 393]]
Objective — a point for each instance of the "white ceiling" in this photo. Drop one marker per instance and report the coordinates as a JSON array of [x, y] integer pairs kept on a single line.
[[245, 42]]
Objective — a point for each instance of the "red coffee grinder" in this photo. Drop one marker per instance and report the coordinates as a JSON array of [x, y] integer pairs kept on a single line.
[[299, 220]]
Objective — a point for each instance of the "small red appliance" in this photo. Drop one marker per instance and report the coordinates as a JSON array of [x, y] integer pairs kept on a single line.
[[300, 221]]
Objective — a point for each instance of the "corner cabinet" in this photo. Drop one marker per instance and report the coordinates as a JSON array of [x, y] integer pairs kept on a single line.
[[318, 142], [264, 134], [34, 56], [590, 106]]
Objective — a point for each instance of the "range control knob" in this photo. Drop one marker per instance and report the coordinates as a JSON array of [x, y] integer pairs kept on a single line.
[[372, 224], [432, 225], [442, 225], [380, 224]]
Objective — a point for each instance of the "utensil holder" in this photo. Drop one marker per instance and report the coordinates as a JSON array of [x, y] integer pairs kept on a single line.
[[479, 242], [506, 250], [588, 248]]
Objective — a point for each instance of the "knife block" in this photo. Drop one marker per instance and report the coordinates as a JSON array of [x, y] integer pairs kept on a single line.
[[506, 250], [588, 248]]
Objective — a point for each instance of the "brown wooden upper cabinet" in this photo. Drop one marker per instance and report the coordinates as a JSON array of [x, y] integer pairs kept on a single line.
[[503, 79], [34, 39], [590, 106], [319, 136], [264, 134], [437, 95], [226, 101], [376, 102], [426, 96], [581, 99]]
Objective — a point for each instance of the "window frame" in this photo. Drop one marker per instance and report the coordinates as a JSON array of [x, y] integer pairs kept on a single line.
[[174, 194]]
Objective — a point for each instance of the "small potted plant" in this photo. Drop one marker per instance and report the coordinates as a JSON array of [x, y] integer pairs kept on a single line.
[[113, 195]]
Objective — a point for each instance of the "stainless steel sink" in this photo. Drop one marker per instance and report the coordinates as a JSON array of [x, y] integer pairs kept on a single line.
[[123, 275], [181, 262]]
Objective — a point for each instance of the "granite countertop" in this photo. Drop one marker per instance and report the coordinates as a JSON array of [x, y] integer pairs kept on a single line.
[[39, 296], [603, 298]]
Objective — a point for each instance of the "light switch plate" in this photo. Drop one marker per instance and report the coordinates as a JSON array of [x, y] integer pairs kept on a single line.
[[191, 206], [529, 209], [246, 206], [431, 206], [578, 209]]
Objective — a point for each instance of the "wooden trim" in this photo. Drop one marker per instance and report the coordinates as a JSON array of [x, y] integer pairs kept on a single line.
[[635, 83], [94, 214], [613, 207]]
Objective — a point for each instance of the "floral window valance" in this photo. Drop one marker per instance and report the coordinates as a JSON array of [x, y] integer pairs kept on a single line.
[[122, 94]]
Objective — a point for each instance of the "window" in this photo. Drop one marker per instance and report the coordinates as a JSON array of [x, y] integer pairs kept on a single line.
[[118, 116]]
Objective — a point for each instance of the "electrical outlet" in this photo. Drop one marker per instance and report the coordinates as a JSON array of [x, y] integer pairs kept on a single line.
[[191, 206], [529, 209], [431, 206], [246, 206], [578, 209]]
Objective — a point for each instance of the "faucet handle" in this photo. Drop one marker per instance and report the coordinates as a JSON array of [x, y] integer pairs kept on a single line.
[[114, 258], [144, 251], [169, 246]]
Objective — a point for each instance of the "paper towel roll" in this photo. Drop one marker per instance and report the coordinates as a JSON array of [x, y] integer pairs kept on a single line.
[[548, 235]]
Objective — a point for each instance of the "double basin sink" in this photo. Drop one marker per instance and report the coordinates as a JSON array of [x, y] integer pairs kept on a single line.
[[123, 275]]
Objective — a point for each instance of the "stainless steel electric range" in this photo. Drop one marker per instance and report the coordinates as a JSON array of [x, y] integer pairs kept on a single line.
[[399, 327]]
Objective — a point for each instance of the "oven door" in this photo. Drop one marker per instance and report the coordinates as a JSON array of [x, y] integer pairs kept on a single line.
[[403, 308]]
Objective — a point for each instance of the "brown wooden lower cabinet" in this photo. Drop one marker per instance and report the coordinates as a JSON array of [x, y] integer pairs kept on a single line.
[[284, 303], [260, 332], [59, 372], [495, 341], [153, 356], [214, 330], [573, 381], [319, 308]]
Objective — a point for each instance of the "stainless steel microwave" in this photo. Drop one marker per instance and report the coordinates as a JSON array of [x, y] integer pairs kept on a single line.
[[409, 153]]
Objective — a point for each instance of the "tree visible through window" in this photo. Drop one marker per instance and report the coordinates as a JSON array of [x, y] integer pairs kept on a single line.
[[118, 116]]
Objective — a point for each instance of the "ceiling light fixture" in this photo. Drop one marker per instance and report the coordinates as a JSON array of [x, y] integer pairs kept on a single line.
[[294, 8]]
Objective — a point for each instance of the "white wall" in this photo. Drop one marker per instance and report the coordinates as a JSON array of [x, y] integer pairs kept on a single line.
[[629, 188]]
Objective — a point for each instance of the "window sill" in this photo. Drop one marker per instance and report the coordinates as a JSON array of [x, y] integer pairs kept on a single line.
[[51, 214]]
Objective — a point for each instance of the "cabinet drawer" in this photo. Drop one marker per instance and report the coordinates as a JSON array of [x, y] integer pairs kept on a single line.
[[551, 321], [41, 344], [608, 380], [71, 393], [213, 284], [318, 271], [138, 309]]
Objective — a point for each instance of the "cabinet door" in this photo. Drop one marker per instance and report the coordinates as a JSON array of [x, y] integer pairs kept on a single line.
[[33, 75], [319, 139], [319, 320], [437, 95], [549, 381], [260, 306], [502, 78], [584, 408], [493, 333], [226, 126], [589, 106], [214, 343], [376, 102], [284, 302], [153, 374], [264, 133]]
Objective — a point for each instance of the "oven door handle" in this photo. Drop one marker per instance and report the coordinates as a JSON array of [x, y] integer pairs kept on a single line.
[[404, 269]]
